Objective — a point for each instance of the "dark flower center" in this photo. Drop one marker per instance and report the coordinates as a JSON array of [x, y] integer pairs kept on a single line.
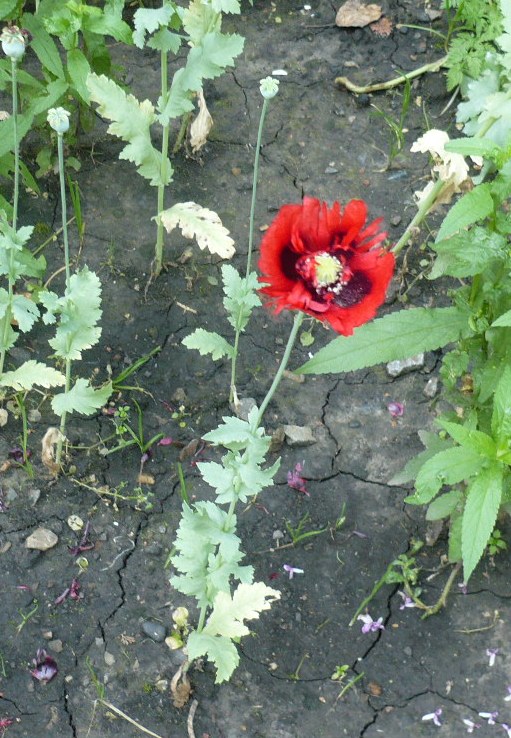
[[322, 271]]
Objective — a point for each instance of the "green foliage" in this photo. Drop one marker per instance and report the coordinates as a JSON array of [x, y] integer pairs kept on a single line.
[[207, 342], [469, 253], [226, 623], [32, 373], [132, 123], [240, 296], [477, 24], [396, 336], [484, 496], [82, 398], [79, 312]]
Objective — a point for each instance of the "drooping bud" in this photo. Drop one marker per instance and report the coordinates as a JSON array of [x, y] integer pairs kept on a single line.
[[58, 118], [13, 42]]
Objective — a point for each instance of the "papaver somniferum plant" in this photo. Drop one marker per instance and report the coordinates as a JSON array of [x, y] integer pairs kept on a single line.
[[315, 260], [464, 474]]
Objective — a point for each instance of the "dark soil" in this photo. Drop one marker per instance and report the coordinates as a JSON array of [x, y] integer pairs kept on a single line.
[[320, 141]]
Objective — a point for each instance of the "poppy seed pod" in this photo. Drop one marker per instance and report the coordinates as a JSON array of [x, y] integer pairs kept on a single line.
[[13, 42]]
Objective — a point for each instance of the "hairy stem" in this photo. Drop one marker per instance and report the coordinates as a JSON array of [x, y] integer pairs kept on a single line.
[[158, 255], [14, 68]]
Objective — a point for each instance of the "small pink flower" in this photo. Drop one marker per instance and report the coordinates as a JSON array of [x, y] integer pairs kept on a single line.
[[166, 441], [489, 716], [492, 652], [45, 667], [292, 570], [434, 716], [370, 625], [470, 725]]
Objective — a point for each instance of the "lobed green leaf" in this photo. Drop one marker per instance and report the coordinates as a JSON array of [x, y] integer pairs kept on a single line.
[[207, 342], [471, 208], [468, 253], [81, 398], [30, 374]]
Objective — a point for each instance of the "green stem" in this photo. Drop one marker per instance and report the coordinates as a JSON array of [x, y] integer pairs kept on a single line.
[[14, 68], [158, 256], [358, 90], [421, 213], [10, 286], [63, 205], [202, 618], [283, 364], [254, 185]]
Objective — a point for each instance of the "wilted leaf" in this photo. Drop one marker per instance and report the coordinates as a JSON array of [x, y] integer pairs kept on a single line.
[[50, 440], [382, 28], [202, 224], [354, 14], [201, 126], [145, 479]]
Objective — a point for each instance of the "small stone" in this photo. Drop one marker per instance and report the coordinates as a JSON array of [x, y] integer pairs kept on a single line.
[[109, 658], [155, 631], [298, 436], [245, 405], [34, 415], [154, 549], [75, 522], [407, 651], [331, 170], [397, 368], [395, 220], [277, 440], [47, 635], [33, 496], [162, 685], [56, 645], [41, 539], [431, 387], [99, 641]]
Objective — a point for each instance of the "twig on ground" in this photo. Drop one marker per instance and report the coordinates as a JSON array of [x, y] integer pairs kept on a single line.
[[395, 82], [191, 715], [123, 715]]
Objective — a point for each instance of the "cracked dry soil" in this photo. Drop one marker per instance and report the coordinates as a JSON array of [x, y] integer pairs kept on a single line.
[[321, 141]]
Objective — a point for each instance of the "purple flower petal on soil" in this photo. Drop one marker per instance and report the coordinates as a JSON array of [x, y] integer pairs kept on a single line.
[[507, 728], [5, 722], [491, 652], [17, 454], [166, 441], [463, 588], [72, 591], [84, 544], [370, 625], [45, 667], [506, 699], [489, 716], [292, 570], [396, 409], [434, 716], [470, 725], [295, 479], [407, 601]]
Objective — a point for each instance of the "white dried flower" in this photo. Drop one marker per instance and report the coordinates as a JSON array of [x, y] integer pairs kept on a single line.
[[269, 87], [58, 118]]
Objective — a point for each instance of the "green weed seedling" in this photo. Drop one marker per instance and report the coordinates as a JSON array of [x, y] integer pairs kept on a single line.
[[496, 544], [26, 616], [128, 435], [396, 126], [299, 533]]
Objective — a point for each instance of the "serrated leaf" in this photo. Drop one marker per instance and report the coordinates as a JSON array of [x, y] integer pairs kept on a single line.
[[226, 6], [110, 22], [148, 20], [471, 208], [178, 101], [165, 40], [209, 59], [79, 69], [82, 398], [455, 526], [43, 45], [202, 224], [132, 121], [444, 505], [30, 374], [240, 296], [470, 438], [503, 321], [473, 147], [480, 514], [221, 651], [447, 467], [501, 417], [411, 469], [25, 312], [198, 19], [207, 342], [234, 433], [7, 8], [467, 254], [396, 336]]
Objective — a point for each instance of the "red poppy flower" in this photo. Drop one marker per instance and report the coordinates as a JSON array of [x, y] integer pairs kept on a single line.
[[322, 261]]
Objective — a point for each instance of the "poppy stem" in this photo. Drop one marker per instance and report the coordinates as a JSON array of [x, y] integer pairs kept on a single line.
[[420, 215], [254, 186], [283, 364]]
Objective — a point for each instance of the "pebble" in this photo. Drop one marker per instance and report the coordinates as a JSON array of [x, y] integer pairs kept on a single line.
[[331, 170], [56, 645], [407, 651], [41, 539], [298, 436], [395, 220], [154, 549], [109, 658], [397, 368], [155, 631], [33, 496], [431, 387]]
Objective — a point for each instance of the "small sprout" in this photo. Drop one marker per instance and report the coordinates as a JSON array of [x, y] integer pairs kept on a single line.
[[45, 667], [491, 653], [370, 625], [180, 617], [434, 716], [13, 42], [58, 118], [269, 87], [489, 716], [292, 570], [339, 673], [174, 642]]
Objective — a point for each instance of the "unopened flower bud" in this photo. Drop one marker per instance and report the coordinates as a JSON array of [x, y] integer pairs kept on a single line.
[[13, 42], [180, 617], [58, 118], [269, 86]]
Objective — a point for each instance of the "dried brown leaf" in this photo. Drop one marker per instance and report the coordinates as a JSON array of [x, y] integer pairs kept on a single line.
[[353, 14], [145, 479], [50, 440], [201, 126], [382, 28]]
